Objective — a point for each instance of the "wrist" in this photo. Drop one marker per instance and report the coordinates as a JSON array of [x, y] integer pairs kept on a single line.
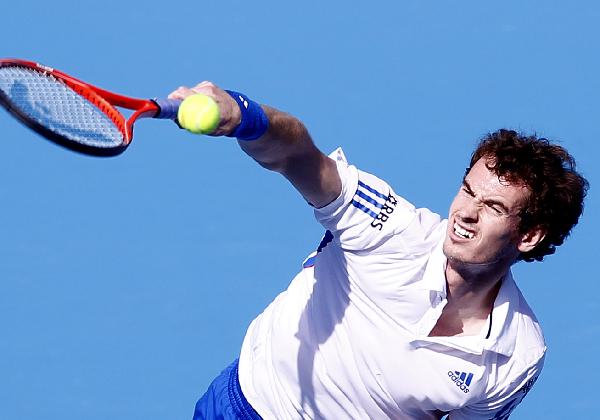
[[254, 121]]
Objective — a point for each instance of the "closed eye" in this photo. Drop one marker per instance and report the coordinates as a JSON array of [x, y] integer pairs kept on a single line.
[[497, 209]]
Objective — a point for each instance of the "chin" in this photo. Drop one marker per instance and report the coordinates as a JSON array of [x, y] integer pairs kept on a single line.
[[459, 256], [476, 262], [451, 252]]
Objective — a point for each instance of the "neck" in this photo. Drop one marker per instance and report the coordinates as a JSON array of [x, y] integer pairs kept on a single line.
[[473, 288], [471, 294]]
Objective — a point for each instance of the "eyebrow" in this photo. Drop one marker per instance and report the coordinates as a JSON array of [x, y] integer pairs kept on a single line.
[[467, 185], [489, 202]]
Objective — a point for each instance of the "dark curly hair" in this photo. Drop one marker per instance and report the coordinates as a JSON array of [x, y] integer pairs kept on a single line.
[[557, 191]]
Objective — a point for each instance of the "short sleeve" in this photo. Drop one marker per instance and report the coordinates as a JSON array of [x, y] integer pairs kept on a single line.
[[367, 212], [503, 400]]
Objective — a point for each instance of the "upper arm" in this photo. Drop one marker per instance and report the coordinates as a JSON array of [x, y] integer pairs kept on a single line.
[[315, 176]]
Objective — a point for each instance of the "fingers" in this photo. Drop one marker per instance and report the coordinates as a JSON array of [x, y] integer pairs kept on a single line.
[[180, 93], [205, 88], [230, 115]]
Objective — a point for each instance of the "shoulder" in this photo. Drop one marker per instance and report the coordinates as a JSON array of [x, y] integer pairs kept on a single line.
[[516, 332], [368, 214], [517, 340], [530, 345]]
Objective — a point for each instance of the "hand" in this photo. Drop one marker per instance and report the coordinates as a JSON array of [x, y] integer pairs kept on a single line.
[[230, 114]]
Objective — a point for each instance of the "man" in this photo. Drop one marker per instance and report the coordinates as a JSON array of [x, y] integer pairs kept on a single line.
[[398, 314]]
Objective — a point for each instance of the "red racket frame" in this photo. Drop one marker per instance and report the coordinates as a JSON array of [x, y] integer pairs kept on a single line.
[[104, 100]]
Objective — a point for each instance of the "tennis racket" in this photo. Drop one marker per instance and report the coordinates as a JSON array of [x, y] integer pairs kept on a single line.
[[72, 113]]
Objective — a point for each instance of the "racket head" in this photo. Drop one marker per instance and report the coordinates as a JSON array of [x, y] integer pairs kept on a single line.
[[63, 109]]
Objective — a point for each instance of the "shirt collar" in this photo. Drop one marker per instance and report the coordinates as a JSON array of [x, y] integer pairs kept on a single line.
[[503, 331], [434, 277], [502, 337]]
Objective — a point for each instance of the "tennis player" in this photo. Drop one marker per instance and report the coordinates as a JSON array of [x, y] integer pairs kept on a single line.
[[398, 314]]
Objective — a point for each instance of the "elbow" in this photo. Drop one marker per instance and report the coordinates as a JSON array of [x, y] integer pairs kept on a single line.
[[275, 166]]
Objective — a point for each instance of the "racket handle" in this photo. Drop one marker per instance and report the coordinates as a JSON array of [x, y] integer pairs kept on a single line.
[[167, 108]]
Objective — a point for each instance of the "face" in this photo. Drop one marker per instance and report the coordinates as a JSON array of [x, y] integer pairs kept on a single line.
[[483, 220]]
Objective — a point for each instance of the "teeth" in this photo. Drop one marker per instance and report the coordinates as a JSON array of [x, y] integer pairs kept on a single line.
[[462, 232]]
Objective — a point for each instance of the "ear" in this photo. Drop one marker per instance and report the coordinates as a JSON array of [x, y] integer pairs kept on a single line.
[[531, 239]]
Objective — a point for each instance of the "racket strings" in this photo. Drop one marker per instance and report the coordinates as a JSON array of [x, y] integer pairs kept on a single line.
[[103, 106], [76, 116]]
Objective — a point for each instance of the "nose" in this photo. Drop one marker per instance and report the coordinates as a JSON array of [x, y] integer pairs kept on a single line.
[[469, 211]]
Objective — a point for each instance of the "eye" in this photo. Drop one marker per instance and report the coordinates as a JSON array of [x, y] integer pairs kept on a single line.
[[496, 209]]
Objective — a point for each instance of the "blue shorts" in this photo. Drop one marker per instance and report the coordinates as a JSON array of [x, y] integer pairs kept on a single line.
[[223, 400]]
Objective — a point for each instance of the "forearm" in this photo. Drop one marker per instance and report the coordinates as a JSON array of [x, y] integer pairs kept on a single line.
[[287, 148], [286, 140]]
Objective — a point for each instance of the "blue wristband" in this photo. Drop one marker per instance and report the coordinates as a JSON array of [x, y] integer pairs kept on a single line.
[[254, 120]]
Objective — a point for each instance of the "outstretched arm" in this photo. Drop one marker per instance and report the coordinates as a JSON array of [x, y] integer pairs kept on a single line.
[[286, 147]]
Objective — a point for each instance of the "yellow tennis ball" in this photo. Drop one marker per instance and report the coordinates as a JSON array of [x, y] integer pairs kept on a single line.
[[199, 114]]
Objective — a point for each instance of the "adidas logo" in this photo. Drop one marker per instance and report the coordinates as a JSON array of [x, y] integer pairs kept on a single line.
[[461, 379]]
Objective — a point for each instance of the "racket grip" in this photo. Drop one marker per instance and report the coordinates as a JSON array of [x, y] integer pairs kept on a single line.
[[167, 108]]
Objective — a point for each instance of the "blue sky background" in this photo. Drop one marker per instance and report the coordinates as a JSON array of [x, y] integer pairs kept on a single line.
[[126, 284]]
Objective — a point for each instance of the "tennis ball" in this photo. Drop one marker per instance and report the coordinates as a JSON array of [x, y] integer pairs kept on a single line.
[[199, 114]]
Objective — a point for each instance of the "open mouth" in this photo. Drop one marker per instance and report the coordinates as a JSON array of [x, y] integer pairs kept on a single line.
[[462, 233]]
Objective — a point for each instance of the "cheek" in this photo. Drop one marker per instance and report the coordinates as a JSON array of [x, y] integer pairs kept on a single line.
[[499, 230]]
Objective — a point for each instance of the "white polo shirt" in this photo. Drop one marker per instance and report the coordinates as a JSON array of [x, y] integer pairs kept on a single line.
[[349, 338]]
